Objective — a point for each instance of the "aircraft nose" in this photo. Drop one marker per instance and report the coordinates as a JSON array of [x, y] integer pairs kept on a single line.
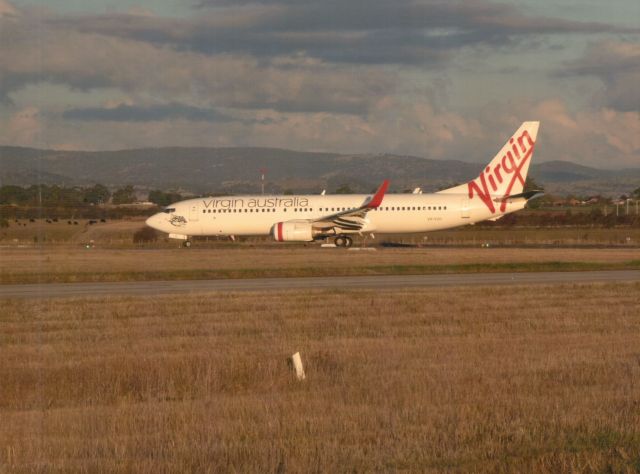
[[154, 221]]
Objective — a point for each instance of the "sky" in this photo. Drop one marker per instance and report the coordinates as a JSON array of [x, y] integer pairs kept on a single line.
[[437, 79]]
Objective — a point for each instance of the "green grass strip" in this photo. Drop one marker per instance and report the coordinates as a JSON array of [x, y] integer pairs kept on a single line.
[[235, 273]]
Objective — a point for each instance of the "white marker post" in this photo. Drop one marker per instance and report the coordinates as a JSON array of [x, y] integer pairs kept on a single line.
[[296, 362]]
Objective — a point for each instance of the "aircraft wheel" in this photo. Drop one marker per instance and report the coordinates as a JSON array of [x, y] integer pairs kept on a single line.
[[340, 241], [186, 244], [348, 242]]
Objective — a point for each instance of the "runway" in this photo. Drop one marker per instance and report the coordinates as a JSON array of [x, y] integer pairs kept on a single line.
[[151, 288]]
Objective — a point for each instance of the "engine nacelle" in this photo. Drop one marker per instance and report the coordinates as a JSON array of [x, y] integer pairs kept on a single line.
[[292, 232]]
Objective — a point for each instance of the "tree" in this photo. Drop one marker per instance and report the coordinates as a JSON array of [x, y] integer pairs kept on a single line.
[[442, 187], [636, 193], [124, 195], [13, 195], [163, 199], [344, 189], [97, 194]]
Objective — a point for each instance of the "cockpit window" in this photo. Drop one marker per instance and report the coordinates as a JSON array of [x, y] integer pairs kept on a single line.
[[169, 210]]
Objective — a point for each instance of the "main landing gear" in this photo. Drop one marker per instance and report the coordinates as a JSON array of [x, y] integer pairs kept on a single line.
[[343, 241], [186, 244]]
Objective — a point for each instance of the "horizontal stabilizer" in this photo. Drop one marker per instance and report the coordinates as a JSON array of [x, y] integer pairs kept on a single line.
[[528, 195]]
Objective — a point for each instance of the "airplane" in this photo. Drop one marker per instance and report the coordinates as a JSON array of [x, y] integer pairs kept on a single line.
[[497, 191]]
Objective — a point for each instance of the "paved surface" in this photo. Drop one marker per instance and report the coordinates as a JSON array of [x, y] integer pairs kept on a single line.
[[149, 288]]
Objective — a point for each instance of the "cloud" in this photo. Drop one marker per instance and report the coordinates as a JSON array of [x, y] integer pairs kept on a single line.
[[351, 31], [132, 113], [7, 10], [617, 65], [87, 61], [349, 76], [23, 128], [604, 137]]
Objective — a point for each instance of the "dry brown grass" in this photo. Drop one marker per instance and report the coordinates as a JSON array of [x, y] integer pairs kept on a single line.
[[116, 232], [461, 379], [50, 264]]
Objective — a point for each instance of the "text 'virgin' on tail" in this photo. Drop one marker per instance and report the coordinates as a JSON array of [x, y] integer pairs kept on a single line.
[[506, 174]]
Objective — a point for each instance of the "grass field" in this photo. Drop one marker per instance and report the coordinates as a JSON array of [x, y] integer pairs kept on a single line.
[[75, 263], [459, 379]]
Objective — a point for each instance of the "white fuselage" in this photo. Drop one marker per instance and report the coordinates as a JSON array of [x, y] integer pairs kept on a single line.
[[497, 191], [256, 215]]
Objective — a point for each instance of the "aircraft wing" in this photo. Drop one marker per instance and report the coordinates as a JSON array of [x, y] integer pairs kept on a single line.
[[352, 219]]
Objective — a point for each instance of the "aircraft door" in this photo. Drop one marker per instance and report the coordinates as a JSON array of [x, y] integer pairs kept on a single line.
[[194, 213], [465, 209]]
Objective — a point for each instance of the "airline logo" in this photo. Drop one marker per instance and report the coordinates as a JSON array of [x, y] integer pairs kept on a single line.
[[234, 203], [178, 221], [507, 170]]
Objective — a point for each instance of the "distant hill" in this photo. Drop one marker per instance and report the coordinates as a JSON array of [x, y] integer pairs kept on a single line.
[[565, 177], [236, 170]]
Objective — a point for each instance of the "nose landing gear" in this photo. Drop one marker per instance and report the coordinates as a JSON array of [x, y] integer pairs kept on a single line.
[[343, 241]]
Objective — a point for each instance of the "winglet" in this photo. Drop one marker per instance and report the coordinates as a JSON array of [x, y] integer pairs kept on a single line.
[[376, 200]]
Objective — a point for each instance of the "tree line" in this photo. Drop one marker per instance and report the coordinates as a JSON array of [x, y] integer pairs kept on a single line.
[[61, 201], [42, 195]]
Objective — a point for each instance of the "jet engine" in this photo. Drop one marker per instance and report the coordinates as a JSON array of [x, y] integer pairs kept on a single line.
[[293, 232]]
